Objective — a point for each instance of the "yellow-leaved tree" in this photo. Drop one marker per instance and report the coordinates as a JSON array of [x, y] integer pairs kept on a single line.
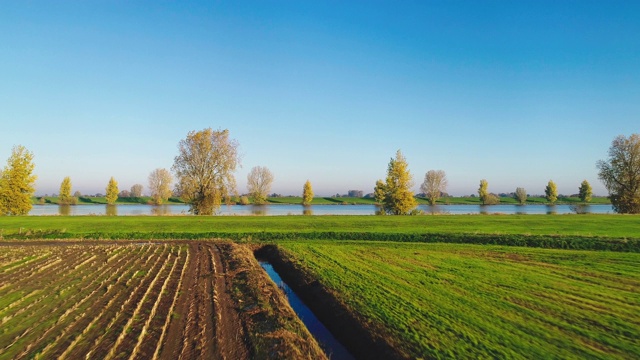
[[379, 192], [398, 198], [17, 183], [64, 198], [112, 191], [204, 169], [551, 192], [585, 192], [307, 193], [483, 191]]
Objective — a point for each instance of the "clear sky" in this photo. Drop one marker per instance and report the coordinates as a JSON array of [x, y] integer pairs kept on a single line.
[[515, 92]]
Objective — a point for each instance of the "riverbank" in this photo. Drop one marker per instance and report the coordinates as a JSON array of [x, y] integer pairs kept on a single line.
[[294, 200]]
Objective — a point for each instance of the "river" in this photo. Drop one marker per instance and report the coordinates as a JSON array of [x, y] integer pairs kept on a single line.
[[276, 210]]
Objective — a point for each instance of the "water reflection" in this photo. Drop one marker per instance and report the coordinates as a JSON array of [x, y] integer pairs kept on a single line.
[[295, 209], [111, 210], [64, 210], [160, 210], [259, 210], [580, 208], [433, 210]]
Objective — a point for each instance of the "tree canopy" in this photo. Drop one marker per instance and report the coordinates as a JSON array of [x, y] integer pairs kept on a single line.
[[483, 191], [620, 174], [398, 197], [520, 195], [551, 192], [136, 190], [112, 191], [160, 185], [307, 193], [17, 182], [65, 198], [259, 182], [585, 192], [435, 183], [204, 169]]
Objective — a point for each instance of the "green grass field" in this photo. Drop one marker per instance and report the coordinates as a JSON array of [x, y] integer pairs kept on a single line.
[[469, 301], [609, 226]]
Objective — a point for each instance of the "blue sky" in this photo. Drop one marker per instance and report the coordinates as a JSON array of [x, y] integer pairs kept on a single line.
[[514, 92]]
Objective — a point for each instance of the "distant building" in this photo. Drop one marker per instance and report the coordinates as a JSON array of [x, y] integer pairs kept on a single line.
[[355, 193]]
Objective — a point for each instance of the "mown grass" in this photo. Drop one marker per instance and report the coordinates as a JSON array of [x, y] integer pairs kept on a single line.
[[468, 301], [599, 225]]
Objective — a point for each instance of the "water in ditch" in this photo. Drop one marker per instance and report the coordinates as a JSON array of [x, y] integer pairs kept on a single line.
[[332, 347]]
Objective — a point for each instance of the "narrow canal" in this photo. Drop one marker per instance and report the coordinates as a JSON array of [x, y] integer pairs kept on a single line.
[[332, 347]]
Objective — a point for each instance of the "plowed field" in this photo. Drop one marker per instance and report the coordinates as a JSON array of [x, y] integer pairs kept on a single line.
[[117, 301]]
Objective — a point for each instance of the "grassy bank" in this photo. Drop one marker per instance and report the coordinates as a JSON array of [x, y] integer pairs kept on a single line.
[[564, 231], [463, 301]]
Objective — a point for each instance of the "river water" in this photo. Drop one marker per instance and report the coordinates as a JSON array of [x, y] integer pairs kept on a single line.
[[275, 210]]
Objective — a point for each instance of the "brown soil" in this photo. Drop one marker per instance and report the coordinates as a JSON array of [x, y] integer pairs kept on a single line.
[[225, 307], [205, 324]]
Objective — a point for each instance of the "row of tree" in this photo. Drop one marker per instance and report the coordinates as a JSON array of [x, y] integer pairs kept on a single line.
[[207, 159], [159, 184], [396, 196], [620, 174]]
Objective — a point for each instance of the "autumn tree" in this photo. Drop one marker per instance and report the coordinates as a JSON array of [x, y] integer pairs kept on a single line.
[[136, 191], [398, 197], [307, 193], [435, 183], [204, 169], [585, 192], [483, 191], [112, 191], [379, 192], [259, 182], [64, 198], [17, 183], [551, 192], [520, 195], [160, 185], [620, 174]]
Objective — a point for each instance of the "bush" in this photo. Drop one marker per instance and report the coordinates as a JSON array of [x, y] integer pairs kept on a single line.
[[492, 199]]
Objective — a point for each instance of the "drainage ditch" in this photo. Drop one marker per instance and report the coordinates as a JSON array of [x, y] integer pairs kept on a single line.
[[331, 346]]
